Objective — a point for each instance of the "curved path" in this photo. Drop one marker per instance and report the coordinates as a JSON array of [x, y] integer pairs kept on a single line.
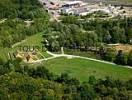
[[74, 56], [18, 43]]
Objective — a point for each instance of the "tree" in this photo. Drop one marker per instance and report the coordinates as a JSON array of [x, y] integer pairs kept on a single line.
[[109, 54], [107, 38], [129, 59], [69, 19], [40, 72], [120, 58], [129, 34], [1, 61], [92, 80], [102, 52], [115, 34], [92, 38], [87, 92], [64, 78]]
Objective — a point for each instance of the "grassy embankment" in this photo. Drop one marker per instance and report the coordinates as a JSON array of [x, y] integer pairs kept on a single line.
[[82, 69]]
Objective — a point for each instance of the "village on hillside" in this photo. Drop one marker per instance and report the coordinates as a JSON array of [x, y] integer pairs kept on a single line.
[[80, 8]]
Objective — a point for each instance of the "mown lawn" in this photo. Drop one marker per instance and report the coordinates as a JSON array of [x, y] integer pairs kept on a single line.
[[82, 69]]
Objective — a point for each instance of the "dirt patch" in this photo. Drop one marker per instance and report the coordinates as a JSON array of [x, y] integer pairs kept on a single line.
[[28, 56], [124, 47]]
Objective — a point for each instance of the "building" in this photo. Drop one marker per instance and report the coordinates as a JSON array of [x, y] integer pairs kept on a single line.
[[72, 4], [66, 10], [70, 7]]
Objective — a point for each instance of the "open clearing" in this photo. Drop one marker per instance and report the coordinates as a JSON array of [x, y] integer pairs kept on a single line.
[[124, 47], [82, 69], [76, 67], [32, 41]]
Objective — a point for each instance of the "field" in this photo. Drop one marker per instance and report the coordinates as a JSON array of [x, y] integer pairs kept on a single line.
[[76, 67], [29, 42], [34, 41], [82, 69]]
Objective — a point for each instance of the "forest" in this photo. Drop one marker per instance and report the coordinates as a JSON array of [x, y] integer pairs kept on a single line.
[[24, 9], [13, 17]]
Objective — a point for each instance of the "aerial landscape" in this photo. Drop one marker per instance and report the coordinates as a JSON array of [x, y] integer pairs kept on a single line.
[[66, 50]]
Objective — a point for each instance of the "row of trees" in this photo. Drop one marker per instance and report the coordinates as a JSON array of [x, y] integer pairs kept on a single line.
[[25, 82], [114, 30], [73, 33], [119, 57]]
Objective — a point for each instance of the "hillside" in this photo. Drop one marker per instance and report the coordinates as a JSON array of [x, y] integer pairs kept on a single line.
[[25, 9], [64, 59], [20, 19], [82, 69]]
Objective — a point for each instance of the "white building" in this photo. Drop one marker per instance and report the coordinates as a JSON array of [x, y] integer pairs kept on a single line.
[[66, 10], [72, 4], [71, 7]]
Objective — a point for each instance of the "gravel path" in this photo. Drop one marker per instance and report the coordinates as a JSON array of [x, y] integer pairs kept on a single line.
[[74, 56]]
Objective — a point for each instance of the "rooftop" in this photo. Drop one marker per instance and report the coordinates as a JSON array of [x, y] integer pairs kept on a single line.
[[72, 2]]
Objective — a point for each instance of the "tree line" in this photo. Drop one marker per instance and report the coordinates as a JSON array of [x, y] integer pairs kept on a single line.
[[84, 33], [90, 35]]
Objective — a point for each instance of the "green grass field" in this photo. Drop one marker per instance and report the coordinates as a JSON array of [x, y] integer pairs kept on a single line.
[[34, 41], [78, 68], [31, 41], [82, 69]]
